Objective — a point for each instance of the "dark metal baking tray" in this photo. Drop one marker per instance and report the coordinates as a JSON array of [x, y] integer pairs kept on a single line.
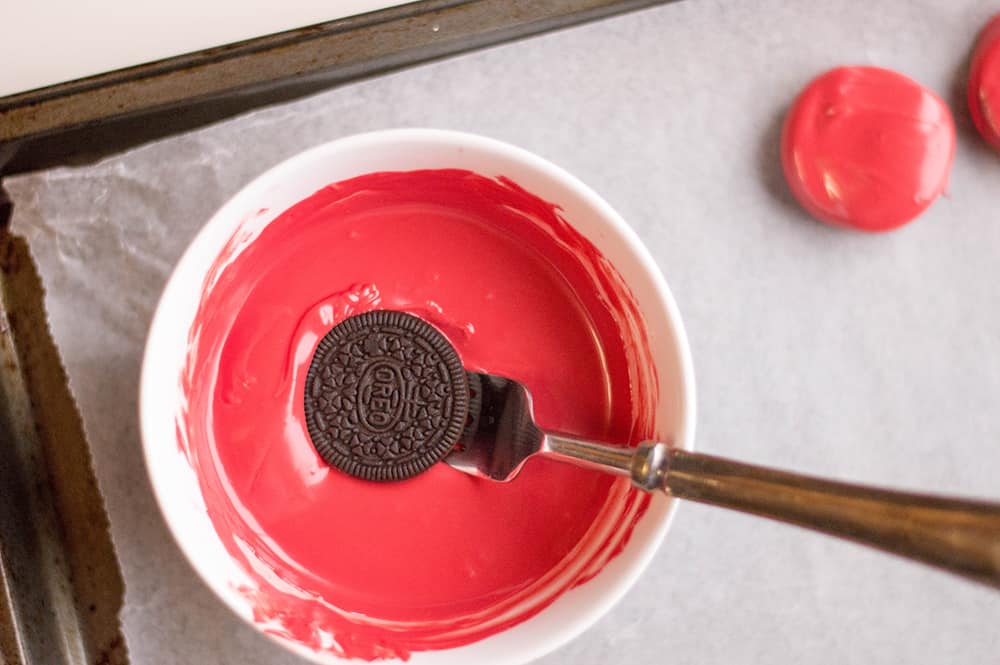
[[84, 119]]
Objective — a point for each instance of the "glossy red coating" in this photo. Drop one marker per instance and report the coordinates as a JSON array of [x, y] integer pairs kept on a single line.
[[867, 148], [373, 570], [984, 83]]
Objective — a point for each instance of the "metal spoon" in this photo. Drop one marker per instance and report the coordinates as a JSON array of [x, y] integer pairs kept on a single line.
[[958, 535]]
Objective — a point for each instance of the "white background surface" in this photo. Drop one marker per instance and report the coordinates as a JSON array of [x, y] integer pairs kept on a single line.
[[875, 358], [52, 41]]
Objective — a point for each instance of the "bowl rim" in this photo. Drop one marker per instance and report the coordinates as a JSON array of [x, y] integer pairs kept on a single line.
[[178, 286]]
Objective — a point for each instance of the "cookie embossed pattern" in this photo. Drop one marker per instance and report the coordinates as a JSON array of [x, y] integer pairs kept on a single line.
[[386, 396]]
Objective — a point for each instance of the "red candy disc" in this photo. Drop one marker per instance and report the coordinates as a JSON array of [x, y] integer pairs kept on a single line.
[[984, 83], [867, 148]]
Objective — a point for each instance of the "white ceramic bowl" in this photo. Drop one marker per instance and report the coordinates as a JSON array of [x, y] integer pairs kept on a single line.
[[174, 481]]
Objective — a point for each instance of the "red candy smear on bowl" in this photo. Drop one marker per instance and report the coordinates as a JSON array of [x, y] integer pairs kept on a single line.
[[867, 148], [984, 83]]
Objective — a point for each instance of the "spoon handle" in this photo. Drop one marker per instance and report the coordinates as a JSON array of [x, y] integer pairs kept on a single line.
[[958, 535]]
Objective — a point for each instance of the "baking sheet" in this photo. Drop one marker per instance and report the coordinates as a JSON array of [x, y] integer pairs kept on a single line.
[[87, 38], [875, 358]]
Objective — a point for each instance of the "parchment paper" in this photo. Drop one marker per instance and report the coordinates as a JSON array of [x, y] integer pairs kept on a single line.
[[875, 358]]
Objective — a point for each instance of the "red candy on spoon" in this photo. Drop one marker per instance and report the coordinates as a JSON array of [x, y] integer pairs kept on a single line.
[[867, 148]]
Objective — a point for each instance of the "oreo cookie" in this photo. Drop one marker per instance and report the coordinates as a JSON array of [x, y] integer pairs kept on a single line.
[[386, 396]]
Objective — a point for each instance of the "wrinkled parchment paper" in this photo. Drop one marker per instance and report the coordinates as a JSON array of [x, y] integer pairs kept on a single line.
[[875, 358]]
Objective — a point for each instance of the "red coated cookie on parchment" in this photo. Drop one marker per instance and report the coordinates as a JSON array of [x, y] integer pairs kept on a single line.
[[867, 148]]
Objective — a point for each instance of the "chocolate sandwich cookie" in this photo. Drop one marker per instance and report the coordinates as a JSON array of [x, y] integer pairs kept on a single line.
[[386, 396]]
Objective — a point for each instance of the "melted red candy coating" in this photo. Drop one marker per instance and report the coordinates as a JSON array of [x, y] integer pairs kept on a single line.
[[373, 570], [867, 148]]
